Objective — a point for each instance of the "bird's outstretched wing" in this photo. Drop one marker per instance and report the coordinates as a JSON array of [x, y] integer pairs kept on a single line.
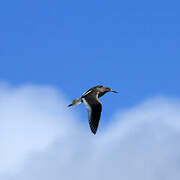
[[94, 108]]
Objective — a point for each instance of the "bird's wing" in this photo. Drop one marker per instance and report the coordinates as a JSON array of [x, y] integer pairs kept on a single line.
[[94, 108], [90, 90]]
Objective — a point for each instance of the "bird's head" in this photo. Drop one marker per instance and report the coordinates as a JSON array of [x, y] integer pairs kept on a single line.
[[105, 89]]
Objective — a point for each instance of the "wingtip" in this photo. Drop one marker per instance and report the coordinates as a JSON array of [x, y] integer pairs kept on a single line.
[[93, 131]]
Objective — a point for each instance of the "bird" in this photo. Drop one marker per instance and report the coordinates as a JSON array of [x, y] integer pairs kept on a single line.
[[90, 98]]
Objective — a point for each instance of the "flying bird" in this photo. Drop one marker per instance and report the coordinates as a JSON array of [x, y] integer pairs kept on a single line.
[[91, 100]]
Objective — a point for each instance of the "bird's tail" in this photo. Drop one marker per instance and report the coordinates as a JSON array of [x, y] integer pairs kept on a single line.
[[75, 102]]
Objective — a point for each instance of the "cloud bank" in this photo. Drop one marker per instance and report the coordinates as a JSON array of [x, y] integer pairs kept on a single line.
[[41, 139]]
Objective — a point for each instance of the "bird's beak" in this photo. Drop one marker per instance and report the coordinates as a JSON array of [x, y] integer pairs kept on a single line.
[[113, 91]]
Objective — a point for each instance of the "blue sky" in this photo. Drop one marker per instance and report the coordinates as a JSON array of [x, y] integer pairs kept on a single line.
[[70, 46], [131, 46]]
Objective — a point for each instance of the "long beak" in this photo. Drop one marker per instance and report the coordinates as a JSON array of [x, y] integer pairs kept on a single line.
[[113, 91]]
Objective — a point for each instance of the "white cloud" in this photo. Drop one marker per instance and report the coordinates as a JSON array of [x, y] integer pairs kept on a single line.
[[43, 140], [31, 119]]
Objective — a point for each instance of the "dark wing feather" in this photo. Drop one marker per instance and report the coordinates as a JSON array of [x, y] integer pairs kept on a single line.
[[94, 108]]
